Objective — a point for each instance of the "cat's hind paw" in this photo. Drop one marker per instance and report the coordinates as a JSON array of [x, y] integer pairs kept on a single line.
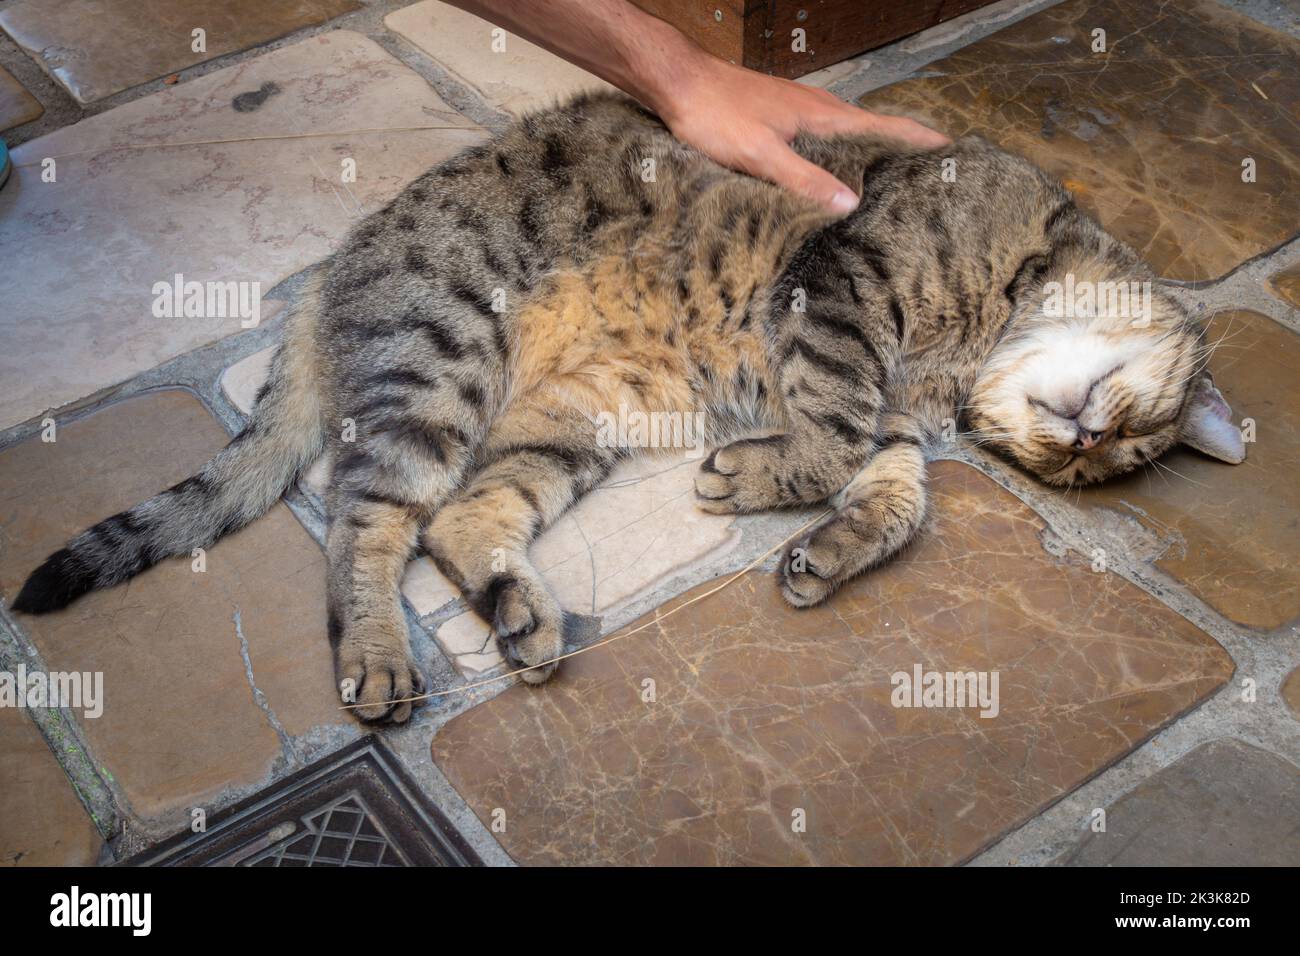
[[529, 626]]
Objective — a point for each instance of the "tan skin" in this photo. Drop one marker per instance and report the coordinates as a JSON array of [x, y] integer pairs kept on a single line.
[[742, 119]]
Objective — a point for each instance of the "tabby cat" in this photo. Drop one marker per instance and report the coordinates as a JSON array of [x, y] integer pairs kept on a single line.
[[583, 261]]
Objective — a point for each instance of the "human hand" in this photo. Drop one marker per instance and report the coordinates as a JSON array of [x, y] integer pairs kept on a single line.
[[746, 120]]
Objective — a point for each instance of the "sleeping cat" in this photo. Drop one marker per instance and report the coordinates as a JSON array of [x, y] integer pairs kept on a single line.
[[453, 355]]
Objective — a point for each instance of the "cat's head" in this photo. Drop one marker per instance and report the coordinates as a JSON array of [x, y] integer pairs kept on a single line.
[[1077, 392]]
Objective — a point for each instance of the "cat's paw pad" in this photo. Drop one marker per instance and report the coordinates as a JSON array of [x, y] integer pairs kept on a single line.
[[379, 679], [734, 480], [808, 575], [529, 627]]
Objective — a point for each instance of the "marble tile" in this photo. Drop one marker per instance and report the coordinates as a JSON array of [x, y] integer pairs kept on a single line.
[[1286, 285], [519, 78], [1151, 135], [762, 719], [42, 823], [1231, 533], [1291, 691], [1224, 804], [181, 717], [98, 47], [17, 106], [255, 196]]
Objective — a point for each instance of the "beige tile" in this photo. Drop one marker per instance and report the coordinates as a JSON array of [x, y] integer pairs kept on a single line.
[[181, 720], [98, 47], [518, 78], [17, 106], [42, 823], [84, 252], [469, 644], [760, 711]]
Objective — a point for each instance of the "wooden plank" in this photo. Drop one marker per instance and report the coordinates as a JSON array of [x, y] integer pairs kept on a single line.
[[758, 33], [699, 20], [837, 29]]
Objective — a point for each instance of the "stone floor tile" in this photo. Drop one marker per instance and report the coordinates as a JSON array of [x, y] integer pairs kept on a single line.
[[760, 711], [1224, 804], [1231, 533], [99, 47], [17, 106], [468, 643], [42, 823], [519, 78], [1291, 691], [181, 719], [1150, 136], [83, 253], [1286, 284]]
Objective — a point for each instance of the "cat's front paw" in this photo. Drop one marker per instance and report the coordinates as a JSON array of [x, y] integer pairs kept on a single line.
[[738, 479], [529, 626], [811, 570], [378, 677]]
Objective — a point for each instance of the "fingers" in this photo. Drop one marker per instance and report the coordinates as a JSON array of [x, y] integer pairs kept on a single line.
[[841, 117], [780, 164]]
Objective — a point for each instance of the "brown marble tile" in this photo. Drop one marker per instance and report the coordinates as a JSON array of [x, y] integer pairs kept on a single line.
[[1231, 533], [1291, 691], [1151, 135], [98, 47], [42, 823], [761, 711], [180, 718], [1286, 285], [1224, 804], [17, 106]]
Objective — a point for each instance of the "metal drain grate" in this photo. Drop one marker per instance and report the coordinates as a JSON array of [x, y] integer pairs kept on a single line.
[[355, 808]]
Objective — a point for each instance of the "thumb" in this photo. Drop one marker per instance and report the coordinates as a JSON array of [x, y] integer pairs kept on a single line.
[[782, 165]]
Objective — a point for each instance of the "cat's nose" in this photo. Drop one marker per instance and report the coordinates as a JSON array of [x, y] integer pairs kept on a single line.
[[1087, 439]]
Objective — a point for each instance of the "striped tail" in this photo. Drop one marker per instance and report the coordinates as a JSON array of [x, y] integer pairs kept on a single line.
[[240, 484]]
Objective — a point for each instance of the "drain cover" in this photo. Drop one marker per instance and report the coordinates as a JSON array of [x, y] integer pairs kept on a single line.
[[356, 807]]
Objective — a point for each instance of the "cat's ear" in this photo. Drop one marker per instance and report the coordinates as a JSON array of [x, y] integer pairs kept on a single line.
[[1208, 426]]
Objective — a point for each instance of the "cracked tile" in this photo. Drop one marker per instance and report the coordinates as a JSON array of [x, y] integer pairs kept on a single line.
[[99, 47], [1224, 804], [518, 78], [254, 197], [1150, 136], [17, 106], [1244, 561], [763, 716], [181, 720], [42, 823]]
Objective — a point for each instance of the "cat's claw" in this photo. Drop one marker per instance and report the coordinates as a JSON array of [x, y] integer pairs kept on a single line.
[[378, 678]]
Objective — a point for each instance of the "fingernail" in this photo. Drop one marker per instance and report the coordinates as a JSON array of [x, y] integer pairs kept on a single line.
[[844, 201]]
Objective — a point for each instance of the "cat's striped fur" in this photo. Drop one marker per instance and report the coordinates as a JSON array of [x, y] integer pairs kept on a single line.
[[583, 260]]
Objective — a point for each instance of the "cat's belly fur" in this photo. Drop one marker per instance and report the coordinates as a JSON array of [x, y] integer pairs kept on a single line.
[[612, 338]]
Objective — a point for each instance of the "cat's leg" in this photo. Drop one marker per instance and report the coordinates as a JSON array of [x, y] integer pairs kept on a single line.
[[830, 379], [383, 491], [540, 457], [877, 514]]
